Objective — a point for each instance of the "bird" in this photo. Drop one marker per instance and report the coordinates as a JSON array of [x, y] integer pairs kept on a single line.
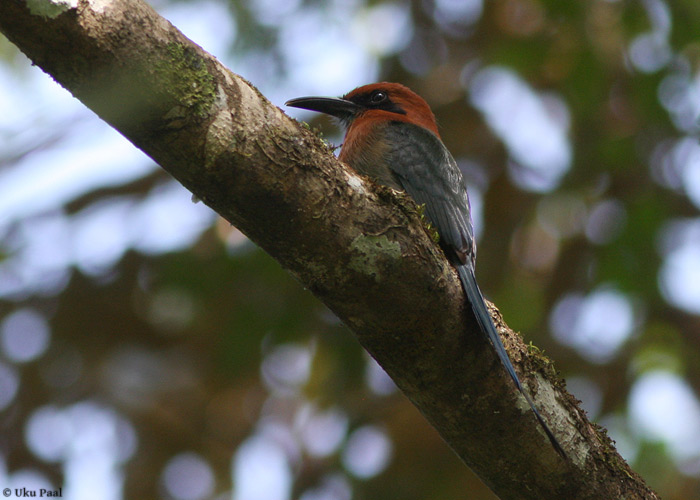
[[391, 136]]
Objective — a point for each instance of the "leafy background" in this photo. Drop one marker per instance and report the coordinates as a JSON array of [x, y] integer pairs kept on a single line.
[[148, 350]]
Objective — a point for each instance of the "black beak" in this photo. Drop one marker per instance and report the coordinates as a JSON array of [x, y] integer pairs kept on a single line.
[[342, 109]]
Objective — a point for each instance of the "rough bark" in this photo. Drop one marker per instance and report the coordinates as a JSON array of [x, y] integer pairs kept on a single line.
[[360, 248]]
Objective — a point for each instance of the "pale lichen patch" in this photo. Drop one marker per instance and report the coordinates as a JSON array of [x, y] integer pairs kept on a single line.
[[355, 182], [369, 250], [219, 130], [547, 398], [99, 6], [249, 109]]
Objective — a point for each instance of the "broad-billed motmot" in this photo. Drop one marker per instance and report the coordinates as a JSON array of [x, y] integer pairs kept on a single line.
[[392, 138]]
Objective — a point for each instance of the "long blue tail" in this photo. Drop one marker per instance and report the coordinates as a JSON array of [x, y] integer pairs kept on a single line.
[[476, 300]]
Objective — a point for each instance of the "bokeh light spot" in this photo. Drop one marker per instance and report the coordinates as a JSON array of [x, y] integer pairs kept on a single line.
[[322, 432], [533, 127], [24, 335], [385, 28], [287, 367], [261, 471], [663, 407], [48, 432], [377, 379], [367, 452], [679, 276], [462, 12], [596, 325], [188, 477]]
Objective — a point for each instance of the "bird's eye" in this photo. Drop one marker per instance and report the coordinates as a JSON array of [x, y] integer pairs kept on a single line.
[[378, 97]]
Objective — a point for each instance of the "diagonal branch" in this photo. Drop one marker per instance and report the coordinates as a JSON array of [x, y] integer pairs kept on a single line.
[[360, 248]]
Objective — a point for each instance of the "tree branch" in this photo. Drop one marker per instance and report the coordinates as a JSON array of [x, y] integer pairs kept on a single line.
[[360, 248]]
